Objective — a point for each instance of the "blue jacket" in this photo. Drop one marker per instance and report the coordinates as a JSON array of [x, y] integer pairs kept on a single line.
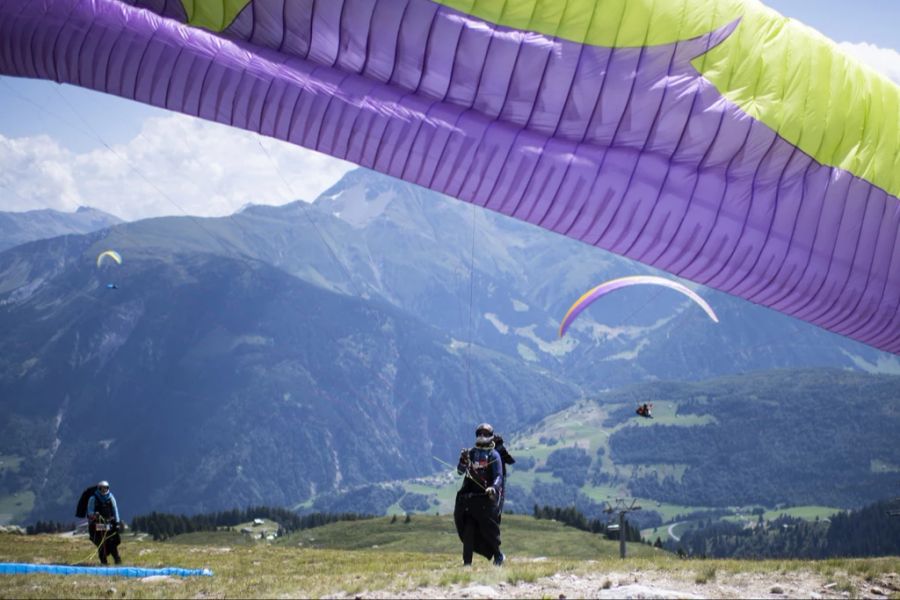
[[485, 467], [98, 502]]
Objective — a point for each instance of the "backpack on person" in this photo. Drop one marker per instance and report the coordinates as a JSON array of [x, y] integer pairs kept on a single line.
[[81, 509]]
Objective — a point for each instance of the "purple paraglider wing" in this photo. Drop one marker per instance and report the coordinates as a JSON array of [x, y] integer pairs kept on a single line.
[[618, 141]]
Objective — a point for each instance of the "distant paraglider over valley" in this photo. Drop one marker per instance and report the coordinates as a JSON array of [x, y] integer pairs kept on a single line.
[[110, 256]]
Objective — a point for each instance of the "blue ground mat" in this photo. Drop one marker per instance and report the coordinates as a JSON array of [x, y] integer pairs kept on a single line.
[[26, 568]]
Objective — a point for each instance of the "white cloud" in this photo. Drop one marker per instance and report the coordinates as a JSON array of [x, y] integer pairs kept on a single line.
[[884, 60], [176, 165], [34, 174]]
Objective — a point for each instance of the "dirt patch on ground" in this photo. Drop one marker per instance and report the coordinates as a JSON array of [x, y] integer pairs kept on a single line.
[[663, 584]]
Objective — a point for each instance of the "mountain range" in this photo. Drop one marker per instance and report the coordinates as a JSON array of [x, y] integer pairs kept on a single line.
[[285, 352], [20, 227]]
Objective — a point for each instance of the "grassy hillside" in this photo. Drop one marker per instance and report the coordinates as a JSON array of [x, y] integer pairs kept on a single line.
[[522, 536], [554, 562]]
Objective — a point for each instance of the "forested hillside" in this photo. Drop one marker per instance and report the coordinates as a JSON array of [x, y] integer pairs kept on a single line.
[[870, 531], [773, 437], [811, 437]]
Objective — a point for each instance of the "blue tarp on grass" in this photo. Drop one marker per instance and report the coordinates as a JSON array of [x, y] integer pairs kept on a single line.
[[26, 568]]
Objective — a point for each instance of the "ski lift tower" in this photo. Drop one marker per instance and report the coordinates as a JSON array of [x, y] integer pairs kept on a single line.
[[622, 508]]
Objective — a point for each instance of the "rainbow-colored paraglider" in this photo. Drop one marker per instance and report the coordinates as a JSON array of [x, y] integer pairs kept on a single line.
[[612, 285], [715, 140]]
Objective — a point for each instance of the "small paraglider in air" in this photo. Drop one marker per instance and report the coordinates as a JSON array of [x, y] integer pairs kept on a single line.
[[645, 410], [109, 255]]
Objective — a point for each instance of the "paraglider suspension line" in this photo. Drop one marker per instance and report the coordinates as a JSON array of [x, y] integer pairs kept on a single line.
[[466, 474], [96, 551], [471, 307]]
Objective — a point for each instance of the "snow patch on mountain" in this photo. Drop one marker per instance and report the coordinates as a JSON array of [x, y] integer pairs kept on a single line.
[[559, 347], [496, 322], [884, 364], [630, 354], [526, 353], [455, 345], [357, 207], [604, 333]]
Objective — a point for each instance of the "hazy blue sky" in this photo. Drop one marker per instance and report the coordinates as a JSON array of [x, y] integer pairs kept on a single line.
[[873, 21], [54, 154], [39, 106]]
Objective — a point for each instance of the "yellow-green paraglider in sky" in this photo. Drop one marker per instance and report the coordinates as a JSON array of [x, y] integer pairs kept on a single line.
[[109, 255]]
